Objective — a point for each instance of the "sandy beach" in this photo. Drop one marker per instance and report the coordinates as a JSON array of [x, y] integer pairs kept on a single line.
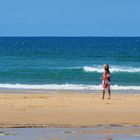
[[40, 109]]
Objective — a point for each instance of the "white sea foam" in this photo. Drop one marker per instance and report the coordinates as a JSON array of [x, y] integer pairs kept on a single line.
[[66, 87], [112, 69]]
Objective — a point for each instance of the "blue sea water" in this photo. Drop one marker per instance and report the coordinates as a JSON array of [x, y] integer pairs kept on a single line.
[[69, 63]]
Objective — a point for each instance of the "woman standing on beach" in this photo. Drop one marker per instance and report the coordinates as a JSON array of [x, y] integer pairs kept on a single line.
[[106, 81]]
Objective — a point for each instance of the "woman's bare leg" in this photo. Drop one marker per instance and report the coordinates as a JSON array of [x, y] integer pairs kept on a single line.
[[103, 94], [109, 93]]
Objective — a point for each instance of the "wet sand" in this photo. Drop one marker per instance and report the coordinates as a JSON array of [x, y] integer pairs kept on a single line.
[[40, 109], [96, 133]]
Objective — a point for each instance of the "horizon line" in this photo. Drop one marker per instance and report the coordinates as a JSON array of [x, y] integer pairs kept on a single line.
[[72, 36]]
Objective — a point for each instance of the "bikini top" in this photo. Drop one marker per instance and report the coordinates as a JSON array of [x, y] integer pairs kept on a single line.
[[106, 76]]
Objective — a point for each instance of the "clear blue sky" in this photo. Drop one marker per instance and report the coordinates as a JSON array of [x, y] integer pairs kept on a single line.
[[69, 17]]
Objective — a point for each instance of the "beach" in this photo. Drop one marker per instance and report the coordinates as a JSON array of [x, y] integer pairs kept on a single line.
[[50, 88], [67, 109]]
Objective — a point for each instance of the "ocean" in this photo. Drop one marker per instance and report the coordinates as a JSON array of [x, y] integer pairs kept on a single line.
[[69, 63]]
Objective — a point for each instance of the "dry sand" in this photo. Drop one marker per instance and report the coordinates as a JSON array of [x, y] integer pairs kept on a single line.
[[68, 110]]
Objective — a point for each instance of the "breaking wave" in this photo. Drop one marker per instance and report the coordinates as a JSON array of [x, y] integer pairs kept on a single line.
[[65, 87], [112, 69]]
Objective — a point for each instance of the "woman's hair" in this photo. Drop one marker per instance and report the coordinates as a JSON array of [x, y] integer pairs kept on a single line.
[[107, 68]]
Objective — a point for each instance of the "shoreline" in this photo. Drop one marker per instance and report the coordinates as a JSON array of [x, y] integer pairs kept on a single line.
[[66, 126], [62, 91], [67, 110]]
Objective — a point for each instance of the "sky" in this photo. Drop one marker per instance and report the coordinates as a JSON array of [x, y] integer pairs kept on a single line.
[[69, 17]]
